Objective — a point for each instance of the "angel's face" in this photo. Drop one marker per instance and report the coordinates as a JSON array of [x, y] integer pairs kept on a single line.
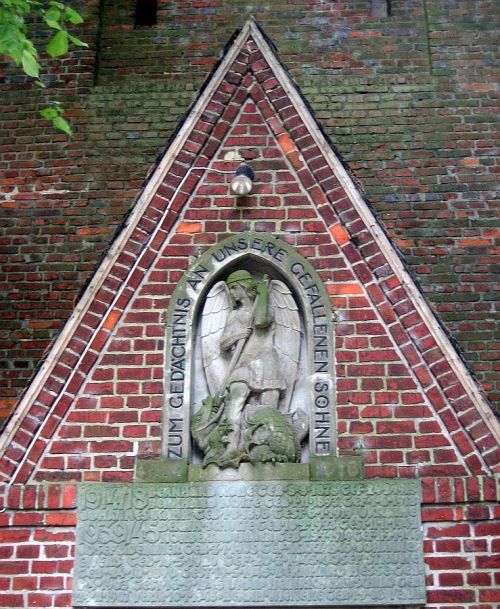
[[237, 292]]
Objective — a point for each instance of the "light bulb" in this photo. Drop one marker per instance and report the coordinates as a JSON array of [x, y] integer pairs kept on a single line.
[[242, 183]]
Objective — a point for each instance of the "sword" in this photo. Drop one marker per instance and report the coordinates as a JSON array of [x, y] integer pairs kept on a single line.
[[218, 400]]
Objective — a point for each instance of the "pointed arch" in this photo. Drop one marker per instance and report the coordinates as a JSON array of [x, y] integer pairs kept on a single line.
[[316, 380]]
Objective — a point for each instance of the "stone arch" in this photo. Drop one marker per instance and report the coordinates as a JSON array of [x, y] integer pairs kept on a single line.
[[260, 253]]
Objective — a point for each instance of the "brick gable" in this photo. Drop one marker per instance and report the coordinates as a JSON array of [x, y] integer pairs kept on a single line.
[[404, 399], [408, 100], [400, 400]]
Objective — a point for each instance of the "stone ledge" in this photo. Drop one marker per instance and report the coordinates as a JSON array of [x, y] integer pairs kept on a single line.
[[161, 470], [249, 471], [329, 467], [326, 467]]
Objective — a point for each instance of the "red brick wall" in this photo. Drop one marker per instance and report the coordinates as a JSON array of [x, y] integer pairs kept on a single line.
[[384, 408], [461, 540], [399, 404], [37, 547], [409, 101]]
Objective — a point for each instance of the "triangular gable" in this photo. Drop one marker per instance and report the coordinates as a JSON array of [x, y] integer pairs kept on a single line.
[[404, 397]]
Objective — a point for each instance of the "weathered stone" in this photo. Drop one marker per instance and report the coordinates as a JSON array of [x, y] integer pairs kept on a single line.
[[249, 471], [190, 379], [249, 543], [161, 470], [329, 467], [250, 339]]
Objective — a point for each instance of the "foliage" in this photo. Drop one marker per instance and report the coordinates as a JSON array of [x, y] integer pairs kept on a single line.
[[54, 113], [16, 43]]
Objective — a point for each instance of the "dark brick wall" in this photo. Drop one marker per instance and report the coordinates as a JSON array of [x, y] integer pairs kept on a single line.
[[408, 101], [398, 402]]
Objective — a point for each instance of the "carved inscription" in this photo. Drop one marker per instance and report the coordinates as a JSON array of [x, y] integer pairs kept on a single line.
[[321, 358], [319, 334], [177, 378], [248, 544]]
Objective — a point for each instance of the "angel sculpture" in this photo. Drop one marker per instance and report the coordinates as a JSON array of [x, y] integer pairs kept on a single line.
[[250, 341]]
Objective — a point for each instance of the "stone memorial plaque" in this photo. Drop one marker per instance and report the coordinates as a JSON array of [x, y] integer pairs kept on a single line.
[[249, 544], [250, 310]]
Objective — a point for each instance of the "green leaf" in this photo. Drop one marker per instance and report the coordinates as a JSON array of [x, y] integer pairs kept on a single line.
[[12, 41], [30, 47], [61, 124], [52, 18], [30, 64], [16, 42], [72, 16], [55, 25], [58, 44], [12, 49], [17, 6], [31, 5], [49, 113], [77, 42]]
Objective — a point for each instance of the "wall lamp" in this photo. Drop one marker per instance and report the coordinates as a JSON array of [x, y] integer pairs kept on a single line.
[[242, 182]]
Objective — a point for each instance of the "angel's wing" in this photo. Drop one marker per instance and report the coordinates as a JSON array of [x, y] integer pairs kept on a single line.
[[286, 334], [213, 319]]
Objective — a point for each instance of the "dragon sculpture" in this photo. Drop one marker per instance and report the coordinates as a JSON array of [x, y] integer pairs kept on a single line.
[[250, 341]]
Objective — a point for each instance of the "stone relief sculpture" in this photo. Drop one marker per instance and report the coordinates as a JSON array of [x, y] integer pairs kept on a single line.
[[250, 341]]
